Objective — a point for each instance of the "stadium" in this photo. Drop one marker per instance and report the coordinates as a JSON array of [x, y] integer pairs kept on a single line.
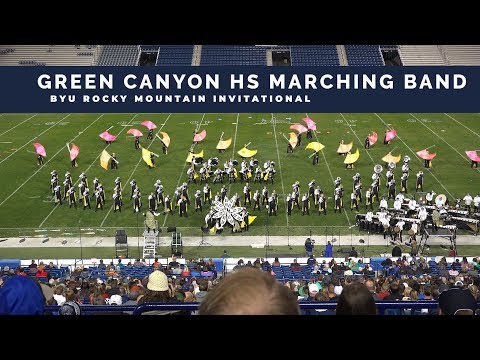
[[168, 191]]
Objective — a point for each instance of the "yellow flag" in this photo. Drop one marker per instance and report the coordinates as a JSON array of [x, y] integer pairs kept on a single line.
[[104, 159], [146, 157], [212, 230], [251, 219]]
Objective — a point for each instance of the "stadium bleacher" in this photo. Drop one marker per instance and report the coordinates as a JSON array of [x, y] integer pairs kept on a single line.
[[364, 55], [314, 55]]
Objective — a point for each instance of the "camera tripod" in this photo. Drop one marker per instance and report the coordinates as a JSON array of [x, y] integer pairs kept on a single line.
[[203, 242]]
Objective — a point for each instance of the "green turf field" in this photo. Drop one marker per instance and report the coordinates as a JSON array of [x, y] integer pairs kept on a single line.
[[25, 199]]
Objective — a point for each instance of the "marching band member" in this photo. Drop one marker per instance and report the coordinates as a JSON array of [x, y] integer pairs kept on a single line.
[[184, 191], [356, 179], [468, 202], [182, 207], [272, 206], [72, 197], [191, 175], [305, 204], [114, 163], [66, 186], [476, 203], [207, 194], [322, 204], [289, 149], [315, 158], [311, 189], [137, 143], [236, 200], [404, 182], [412, 206], [422, 216], [86, 198], [316, 194], [390, 175], [81, 190], [159, 191], [369, 220], [39, 160], [353, 201], [414, 228], [152, 202], [289, 204], [98, 201], [256, 200], [83, 177], [58, 194], [338, 202], [400, 224], [168, 205], [150, 134], [295, 200], [133, 186], [101, 192], [397, 204], [429, 197], [223, 192], [391, 189], [217, 197], [383, 204], [375, 190], [367, 142], [152, 159], [258, 175], [198, 201], [117, 201], [203, 174], [358, 192], [218, 176], [247, 197], [137, 201], [400, 196], [419, 181], [118, 184], [264, 195], [369, 199], [164, 148]]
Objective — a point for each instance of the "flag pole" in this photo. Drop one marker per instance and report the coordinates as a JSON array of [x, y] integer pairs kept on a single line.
[[109, 128], [430, 147], [68, 147]]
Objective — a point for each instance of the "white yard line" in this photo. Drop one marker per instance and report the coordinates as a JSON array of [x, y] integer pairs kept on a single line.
[[18, 124], [182, 173], [30, 142], [233, 148], [463, 156], [50, 159], [88, 168], [279, 165], [331, 176], [458, 122], [416, 157]]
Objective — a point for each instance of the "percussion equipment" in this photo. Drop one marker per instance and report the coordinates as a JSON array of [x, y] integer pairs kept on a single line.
[[214, 161], [396, 229], [392, 165], [460, 213], [467, 223], [406, 159], [378, 169], [411, 232], [255, 162], [235, 162], [440, 200], [385, 226], [199, 160]]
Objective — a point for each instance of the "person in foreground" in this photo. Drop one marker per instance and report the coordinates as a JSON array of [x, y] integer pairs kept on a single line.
[[249, 291], [356, 299]]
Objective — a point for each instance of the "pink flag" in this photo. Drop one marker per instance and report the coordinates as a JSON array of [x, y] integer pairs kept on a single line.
[[150, 125], [74, 152], [299, 127], [200, 136], [373, 138], [107, 136], [135, 132], [472, 155], [310, 124], [424, 154], [39, 149], [390, 135]]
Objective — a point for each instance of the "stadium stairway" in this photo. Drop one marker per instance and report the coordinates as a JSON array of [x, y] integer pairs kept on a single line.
[[462, 54], [421, 55]]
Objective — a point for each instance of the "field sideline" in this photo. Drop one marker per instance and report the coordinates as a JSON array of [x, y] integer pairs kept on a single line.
[[25, 199]]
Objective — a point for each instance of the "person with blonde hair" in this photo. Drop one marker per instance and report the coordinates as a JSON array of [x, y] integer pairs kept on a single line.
[[249, 291]]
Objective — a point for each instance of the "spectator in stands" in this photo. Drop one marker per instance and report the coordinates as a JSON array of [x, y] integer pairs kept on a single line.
[[21, 296], [456, 301], [51, 265], [119, 264], [249, 291], [356, 299], [101, 265], [156, 263], [70, 308], [276, 262], [239, 265], [395, 292], [295, 265], [33, 265], [328, 250], [41, 273], [158, 291], [370, 284]]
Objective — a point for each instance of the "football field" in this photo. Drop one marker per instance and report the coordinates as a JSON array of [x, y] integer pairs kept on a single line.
[[27, 208]]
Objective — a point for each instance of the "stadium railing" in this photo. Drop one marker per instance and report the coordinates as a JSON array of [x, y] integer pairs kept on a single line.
[[140, 309]]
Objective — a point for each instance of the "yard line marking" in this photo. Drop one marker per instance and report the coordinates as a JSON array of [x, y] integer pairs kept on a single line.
[[331, 176], [416, 157], [181, 174], [279, 165], [451, 117], [88, 168], [136, 166], [17, 125], [29, 142], [445, 141], [53, 157], [233, 148]]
